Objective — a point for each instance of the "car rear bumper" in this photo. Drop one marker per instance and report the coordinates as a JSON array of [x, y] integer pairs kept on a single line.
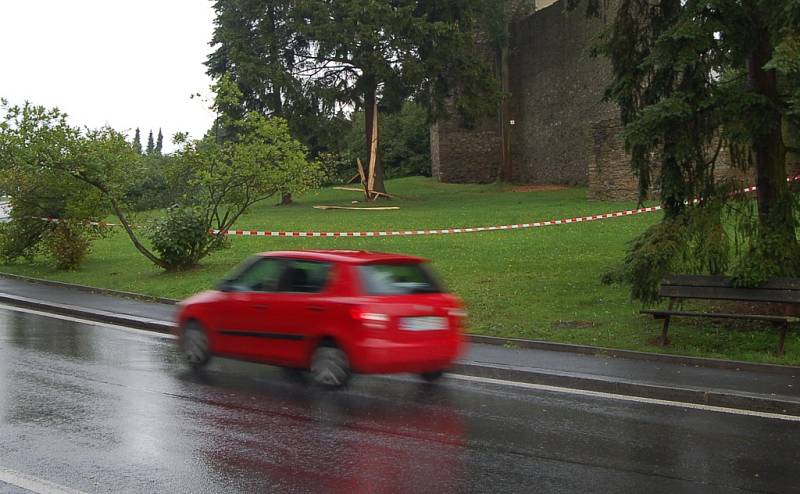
[[382, 356]]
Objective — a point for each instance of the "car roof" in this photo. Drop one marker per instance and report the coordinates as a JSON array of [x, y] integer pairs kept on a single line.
[[345, 256]]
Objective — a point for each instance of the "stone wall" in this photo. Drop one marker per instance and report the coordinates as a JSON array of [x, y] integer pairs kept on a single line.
[[563, 133], [461, 155], [610, 174], [557, 89]]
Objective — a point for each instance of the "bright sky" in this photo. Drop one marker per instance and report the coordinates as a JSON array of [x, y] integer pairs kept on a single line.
[[127, 64]]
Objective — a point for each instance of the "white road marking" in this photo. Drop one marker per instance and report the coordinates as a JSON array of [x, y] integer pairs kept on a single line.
[[143, 332], [636, 399], [486, 380], [33, 484]]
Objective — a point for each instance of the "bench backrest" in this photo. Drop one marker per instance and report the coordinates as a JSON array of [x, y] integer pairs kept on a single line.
[[778, 290]]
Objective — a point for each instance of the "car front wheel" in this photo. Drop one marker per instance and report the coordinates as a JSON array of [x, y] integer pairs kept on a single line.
[[330, 368], [432, 376], [195, 345]]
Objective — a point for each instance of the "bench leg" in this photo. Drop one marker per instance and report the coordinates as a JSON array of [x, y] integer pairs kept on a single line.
[[664, 338], [782, 341]]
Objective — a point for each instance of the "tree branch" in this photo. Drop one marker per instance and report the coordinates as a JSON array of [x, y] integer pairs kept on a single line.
[[122, 218]]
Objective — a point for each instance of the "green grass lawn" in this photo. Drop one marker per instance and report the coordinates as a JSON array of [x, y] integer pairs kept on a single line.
[[539, 284]]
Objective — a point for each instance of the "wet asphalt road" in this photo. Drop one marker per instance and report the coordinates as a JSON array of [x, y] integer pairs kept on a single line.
[[102, 410]]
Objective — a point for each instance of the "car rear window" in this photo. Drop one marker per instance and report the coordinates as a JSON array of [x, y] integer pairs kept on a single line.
[[397, 279]]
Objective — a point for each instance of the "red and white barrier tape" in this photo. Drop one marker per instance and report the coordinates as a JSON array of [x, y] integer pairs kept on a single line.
[[414, 233], [447, 231], [453, 231], [101, 224]]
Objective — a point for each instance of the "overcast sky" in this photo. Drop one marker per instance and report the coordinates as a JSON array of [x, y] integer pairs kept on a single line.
[[127, 64]]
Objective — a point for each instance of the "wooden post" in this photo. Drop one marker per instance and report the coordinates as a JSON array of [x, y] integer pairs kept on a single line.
[[782, 341], [665, 330]]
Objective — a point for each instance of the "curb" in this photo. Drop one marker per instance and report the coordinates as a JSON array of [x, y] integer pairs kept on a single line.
[[697, 396], [585, 382], [84, 288], [709, 363], [154, 325]]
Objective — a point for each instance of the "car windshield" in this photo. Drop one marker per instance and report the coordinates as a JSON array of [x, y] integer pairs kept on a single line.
[[398, 279]]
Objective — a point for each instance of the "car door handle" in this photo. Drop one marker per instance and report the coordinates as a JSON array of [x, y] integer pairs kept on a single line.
[[316, 308], [261, 306]]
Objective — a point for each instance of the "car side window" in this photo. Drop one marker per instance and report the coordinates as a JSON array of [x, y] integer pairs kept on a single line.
[[263, 276], [304, 277]]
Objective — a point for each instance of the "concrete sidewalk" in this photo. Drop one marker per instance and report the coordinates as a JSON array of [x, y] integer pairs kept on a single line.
[[753, 387]]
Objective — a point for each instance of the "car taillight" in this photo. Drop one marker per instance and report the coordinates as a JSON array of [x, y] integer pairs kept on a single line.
[[371, 320], [459, 313]]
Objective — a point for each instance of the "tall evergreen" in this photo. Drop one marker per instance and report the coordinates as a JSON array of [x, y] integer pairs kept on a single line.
[[159, 143], [694, 78], [151, 145], [137, 141]]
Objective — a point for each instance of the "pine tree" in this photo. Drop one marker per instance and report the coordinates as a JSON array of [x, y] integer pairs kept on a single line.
[[691, 79], [375, 55], [160, 143], [151, 146], [137, 141]]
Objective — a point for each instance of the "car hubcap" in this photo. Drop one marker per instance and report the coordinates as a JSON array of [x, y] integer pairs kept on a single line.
[[195, 346], [329, 368]]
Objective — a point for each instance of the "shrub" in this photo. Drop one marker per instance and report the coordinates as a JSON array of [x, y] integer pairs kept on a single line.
[[68, 245], [181, 238]]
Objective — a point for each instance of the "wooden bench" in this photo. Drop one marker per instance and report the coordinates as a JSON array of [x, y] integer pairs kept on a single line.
[[783, 291]]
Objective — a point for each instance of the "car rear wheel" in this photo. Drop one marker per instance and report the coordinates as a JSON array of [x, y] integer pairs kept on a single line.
[[432, 376], [330, 368], [195, 345]]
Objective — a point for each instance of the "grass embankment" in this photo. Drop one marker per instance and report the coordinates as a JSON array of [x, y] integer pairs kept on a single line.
[[537, 284]]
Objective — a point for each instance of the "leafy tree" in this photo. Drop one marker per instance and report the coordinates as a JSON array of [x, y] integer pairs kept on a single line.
[[137, 141], [151, 146], [254, 44], [374, 54], [159, 143], [150, 189], [224, 178], [32, 139], [691, 78], [405, 147]]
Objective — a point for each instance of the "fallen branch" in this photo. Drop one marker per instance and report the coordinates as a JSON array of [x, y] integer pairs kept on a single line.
[[326, 208]]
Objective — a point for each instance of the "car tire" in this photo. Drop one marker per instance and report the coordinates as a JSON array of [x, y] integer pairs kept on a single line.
[[432, 376], [195, 345], [330, 368]]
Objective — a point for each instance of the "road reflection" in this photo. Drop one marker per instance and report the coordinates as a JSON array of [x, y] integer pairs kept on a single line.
[[301, 438]]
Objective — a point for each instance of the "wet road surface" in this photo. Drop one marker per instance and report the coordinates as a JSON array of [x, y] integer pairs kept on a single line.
[[102, 410]]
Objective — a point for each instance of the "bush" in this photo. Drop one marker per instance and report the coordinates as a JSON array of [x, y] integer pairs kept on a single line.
[[21, 239], [68, 245], [181, 238]]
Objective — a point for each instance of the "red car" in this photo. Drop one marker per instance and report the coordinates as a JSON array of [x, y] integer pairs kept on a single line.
[[331, 312]]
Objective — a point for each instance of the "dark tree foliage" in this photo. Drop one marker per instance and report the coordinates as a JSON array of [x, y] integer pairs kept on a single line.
[[694, 78], [151, 145], [375, 54], [137, 141], [159, 143], [254, 44], [309, 60]]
